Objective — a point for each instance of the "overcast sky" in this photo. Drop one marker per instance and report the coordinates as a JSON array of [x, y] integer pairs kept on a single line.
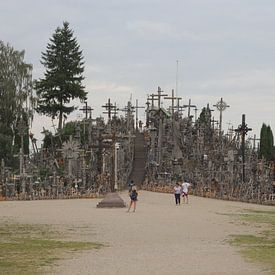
[[224, 48]]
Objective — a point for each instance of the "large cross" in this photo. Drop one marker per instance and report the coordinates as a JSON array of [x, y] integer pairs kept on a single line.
[[159, 95], [243, 129], [173, 98], [189, 106], [87, 109], [221, 106], [152, 98], [108, 106], [137, 107]]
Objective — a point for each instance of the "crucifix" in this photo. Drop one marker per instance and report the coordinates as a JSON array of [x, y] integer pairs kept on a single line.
[[108, 106], [152, 98], [173, 98], [137, 107], [189, 106], [159, 95], [221, 106], [243, 129], [87, 109]]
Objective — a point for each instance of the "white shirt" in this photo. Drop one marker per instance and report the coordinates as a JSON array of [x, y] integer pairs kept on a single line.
[[177, 189], [185, 187]]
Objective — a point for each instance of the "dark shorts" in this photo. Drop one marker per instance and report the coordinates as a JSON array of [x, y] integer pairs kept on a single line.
[[184, 194]]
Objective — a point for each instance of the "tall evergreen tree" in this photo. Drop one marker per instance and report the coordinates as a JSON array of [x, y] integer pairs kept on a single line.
[[263, 139], [266, 142], [270, 141], [63, 78], [205, 116]]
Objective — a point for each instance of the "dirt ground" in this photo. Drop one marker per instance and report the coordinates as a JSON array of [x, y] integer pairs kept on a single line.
[[159, 238]]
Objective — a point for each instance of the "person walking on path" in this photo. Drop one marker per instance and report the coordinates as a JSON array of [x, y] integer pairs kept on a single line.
[[133, 196], [185, 187], [177, 193]]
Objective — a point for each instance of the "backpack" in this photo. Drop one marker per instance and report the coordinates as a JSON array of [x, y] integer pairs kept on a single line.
[[133, 195]]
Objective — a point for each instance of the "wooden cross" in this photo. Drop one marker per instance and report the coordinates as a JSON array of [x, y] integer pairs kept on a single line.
[[137, 107], [152, 98], [221, 106], [243, 129], [159, 95], [189, 106], [87, 109], [173, 98], [108, 106]]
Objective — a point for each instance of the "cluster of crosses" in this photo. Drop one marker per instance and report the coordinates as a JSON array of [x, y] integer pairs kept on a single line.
[[94, 155], [187, 147]]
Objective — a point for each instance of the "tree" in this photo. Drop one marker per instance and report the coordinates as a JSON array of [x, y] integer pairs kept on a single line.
[[205, 116], [63, 78], [266, 142], [17, 101]]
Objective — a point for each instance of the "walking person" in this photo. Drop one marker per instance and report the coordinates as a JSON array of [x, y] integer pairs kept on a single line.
[[185, 187], [133, 196], [177, 193]]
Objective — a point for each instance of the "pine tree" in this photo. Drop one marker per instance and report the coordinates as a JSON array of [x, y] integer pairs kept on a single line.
[[63, 78], [263, 139], [266, 142], [270, 142]]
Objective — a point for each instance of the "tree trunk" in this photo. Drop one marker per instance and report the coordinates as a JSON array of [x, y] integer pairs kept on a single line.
[[60, 121]]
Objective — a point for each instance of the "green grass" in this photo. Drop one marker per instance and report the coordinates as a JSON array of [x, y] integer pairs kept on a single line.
[[26, 249], [258, 248]]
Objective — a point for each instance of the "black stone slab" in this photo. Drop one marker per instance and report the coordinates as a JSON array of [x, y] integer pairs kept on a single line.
[[112, 200]]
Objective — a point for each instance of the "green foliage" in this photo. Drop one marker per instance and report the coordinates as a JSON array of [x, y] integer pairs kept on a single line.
[[26, 249], [205, 116], [16, 95], [260, 248], [62, 80], [266, 142], [68, 130]]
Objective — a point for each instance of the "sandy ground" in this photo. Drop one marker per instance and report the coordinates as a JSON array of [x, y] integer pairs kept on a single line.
[[159, 238]]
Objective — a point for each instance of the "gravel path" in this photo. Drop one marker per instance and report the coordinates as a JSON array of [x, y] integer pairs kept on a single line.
[[159, 238]]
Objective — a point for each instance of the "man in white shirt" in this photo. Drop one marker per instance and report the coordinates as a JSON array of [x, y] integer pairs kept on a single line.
[[185, 187]]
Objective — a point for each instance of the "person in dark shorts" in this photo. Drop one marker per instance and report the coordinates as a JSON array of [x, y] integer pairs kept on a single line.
[[177, 192], [133, 196]]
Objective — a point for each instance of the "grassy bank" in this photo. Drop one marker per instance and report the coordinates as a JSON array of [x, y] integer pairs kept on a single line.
[[27, 249], [261, 247]]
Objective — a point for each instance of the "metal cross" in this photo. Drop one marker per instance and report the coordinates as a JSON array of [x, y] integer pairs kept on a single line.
[[221, 106]]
